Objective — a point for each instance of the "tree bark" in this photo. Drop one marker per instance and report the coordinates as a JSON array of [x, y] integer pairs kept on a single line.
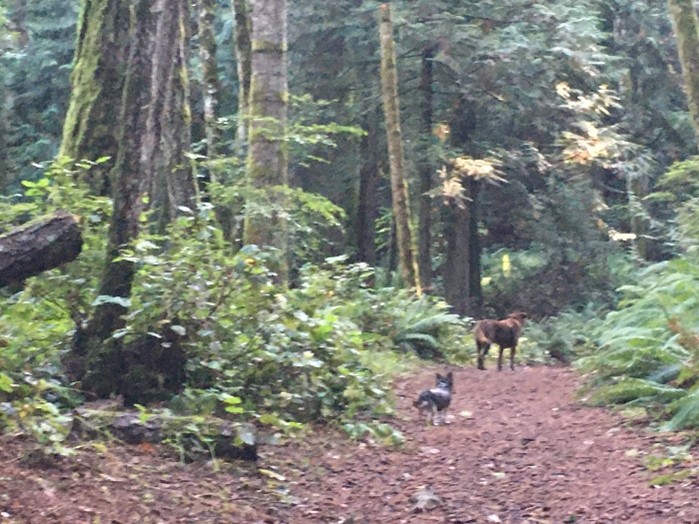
[[456, 268], [97, 80], [153, 137], [98, 364], [243, 53], [367, 207], [426, 168], [211, 83], [399, 186], [40, 245], [267, 160], [462, 275], [168, 134], [684, 18]]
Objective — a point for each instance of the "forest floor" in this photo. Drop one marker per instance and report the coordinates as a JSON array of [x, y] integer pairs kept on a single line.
[[519, 448]]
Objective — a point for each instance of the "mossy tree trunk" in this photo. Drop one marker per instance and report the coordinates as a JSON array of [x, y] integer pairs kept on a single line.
[[243, 53], [684, 18], [267, 159], [97, 83], [150, 151], [399, 186], [211, 82]]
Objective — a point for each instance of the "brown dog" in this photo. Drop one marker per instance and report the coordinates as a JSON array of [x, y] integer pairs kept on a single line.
[[505, 333]]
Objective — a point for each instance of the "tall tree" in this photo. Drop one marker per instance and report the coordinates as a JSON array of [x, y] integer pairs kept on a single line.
[[267, 161], [148, 153], [686, 24], [399, 186]]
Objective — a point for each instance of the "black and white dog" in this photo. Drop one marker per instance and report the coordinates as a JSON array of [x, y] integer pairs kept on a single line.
[[436, 400]]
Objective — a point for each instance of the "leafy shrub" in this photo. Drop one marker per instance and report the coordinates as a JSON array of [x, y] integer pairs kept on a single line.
[[298, 354]]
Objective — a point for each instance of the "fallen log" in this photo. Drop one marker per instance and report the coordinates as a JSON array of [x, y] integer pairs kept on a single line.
[[39, 245], [196, 436]]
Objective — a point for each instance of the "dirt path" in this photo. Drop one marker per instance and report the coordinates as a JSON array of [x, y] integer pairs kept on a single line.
[[526, 452]]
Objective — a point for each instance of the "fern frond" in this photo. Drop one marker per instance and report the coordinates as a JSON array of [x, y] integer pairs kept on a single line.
[[686, 413], [630, 389]]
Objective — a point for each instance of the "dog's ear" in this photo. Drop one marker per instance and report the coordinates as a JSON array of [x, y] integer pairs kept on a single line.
[[450, 377], [439, 377]]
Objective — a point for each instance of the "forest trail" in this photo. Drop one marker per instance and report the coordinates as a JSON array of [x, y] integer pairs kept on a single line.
[[519, 449]]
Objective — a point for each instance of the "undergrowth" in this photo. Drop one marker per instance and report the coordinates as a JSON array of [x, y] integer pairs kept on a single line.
[[649, 347], [324, 350]]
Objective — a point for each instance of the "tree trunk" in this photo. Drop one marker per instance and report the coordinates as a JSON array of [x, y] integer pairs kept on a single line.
[[367, 206], [399, 186], [211, 83], [426, 169], [150, 149], [456, 268], [647, 247], [168, 134], [474, 248], [267, 159], [97, 81], [462, 268], [684, 18], [243, 53], [40, 245]]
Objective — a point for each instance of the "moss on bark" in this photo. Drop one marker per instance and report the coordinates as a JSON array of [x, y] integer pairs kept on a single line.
[[399, 186], [97, 80], [686, 26]]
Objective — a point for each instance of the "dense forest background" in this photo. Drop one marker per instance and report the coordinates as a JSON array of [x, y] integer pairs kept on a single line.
[[245, 233]]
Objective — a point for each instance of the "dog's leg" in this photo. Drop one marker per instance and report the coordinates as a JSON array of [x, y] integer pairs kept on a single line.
[[502, 349], [482, 352], [512, 357]]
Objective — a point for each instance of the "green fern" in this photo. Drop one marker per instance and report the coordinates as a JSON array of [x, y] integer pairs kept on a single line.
[[686, 413], [634, 389], [421, 324]]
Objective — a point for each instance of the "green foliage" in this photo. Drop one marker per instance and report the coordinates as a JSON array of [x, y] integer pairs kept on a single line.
[[685, 412], [60, 188], [301, 354], [635, 389], [419, 326], [649, 348], [35, 77], [564, 338], [37, 321]]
